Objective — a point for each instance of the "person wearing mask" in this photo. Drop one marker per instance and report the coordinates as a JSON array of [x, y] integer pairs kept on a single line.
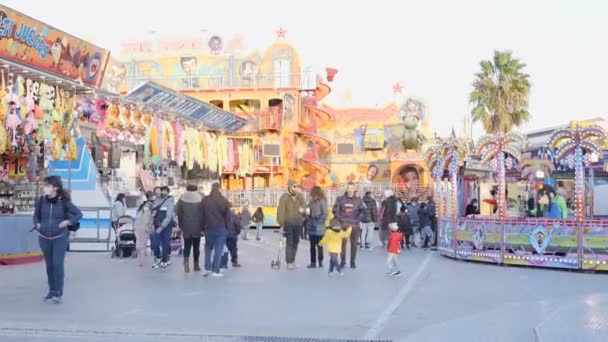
[[369, 221], [317, 215], [389, 215], [258, 218], [245, 219], [163, 212], [232, 239], [350, 210], [190, 219], [290, 216], [53, 214], [424, 217], [143, 227], [472, 208], [119, 209], [216, 217], [412, 211]]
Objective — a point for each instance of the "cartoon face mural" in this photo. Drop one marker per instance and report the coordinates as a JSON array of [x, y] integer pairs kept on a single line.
[[215, 45]]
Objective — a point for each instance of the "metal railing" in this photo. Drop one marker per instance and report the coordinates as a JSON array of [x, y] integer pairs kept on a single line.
[[302, 81], [84, 234]]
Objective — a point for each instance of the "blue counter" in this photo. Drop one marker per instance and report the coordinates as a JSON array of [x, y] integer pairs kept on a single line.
[[17, 244]]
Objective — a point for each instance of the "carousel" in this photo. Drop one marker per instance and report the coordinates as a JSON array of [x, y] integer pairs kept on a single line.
[[519, 214]]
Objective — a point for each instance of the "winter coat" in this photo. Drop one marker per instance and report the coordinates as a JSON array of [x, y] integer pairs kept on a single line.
[[371, 213], [143, 221], [118, 210], [165, 207], [288, 211], [333, 240], [216, 211], [405, 226], [394, 242], [258, 216], [234, 225], [424, 217], [389, 211], [245, 217], [350, 211], [50, 212], [318, 216], [189, 214]]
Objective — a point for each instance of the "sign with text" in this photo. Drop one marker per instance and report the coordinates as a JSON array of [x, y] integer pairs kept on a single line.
[[17, 166], [31, 43], [155, 96]]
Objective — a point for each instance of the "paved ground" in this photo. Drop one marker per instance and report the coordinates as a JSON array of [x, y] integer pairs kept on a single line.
[[438, 300]]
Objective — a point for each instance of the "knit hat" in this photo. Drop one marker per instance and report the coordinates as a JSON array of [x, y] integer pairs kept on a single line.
[[393, 226], [291, 183], [335, 224]]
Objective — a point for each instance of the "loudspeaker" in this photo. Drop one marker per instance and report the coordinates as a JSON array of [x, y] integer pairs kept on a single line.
[[97, 154], [114, 157]]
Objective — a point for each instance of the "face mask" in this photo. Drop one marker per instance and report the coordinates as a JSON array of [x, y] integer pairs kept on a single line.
[[48, 190], [164, 195]]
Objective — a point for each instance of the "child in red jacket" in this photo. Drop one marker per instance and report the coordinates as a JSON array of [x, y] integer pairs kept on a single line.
[[394, 248]]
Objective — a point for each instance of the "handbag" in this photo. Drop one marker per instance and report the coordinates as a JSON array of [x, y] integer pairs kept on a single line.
[[72, 227]]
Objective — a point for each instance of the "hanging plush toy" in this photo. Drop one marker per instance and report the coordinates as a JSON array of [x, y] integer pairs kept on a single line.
[[179, 143], [112, 117], [3, 139], [45, 104], [30, 124], [3, 102], [56, 148], [12, 121]]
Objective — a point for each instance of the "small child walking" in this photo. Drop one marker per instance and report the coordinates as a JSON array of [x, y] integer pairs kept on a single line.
[[394, 249], [333, 239]]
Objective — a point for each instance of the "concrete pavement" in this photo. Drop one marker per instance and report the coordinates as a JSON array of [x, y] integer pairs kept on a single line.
[[437, 300]]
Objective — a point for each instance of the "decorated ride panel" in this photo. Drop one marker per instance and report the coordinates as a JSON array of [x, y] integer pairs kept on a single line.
[[595, 245], [541, 243], [447, 237], [479, 240]]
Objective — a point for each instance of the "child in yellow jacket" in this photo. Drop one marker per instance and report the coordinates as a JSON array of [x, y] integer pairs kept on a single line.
[[333, 239]]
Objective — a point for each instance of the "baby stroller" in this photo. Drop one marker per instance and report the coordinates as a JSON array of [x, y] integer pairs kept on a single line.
[[124, 243]]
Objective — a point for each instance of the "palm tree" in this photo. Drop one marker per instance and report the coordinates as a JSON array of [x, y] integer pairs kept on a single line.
[[578, 140], [496, 146], [500, 94]]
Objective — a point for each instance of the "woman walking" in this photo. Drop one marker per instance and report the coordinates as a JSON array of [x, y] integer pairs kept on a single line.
[[245, 219], [144, 227], [258, 218], [119, 209], [53, 214], [190, 220], [317, 214]]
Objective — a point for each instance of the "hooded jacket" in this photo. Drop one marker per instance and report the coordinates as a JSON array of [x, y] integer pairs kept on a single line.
[[50, 212], [350, 211], [189, 214], [234, 225], [389, 211], [216, 211]]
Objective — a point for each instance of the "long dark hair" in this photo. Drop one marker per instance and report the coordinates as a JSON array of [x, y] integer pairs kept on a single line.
[[55, 181], [316, 193], [121, 198], [149, 196]]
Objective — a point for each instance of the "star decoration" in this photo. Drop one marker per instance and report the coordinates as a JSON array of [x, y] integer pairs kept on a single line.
[[281, 32], [397, 88]]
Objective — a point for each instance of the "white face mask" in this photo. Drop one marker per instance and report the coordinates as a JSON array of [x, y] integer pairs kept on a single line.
[[48, 190]]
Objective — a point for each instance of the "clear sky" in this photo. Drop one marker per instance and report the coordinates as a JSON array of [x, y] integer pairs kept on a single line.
[[431, 47]]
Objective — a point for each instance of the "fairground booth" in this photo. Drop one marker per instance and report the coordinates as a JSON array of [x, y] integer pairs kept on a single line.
[[533, 205]]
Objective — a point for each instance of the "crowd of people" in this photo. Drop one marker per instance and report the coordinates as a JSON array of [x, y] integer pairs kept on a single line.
[[352, 221]]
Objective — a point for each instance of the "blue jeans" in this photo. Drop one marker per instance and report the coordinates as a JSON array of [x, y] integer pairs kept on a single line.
[[54, 258], [162, 241], [215, 240]]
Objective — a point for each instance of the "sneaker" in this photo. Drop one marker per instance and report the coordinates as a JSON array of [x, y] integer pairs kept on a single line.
[[48, 297], [206, 273], [320, 265], [353, 265], [258, 238], [168, 262], [164, 265], [311, 266], [396, 274], [155, 265], [217, 275], [340, 273], [57, 300], [236, 264], [291, 266], [331, 274]]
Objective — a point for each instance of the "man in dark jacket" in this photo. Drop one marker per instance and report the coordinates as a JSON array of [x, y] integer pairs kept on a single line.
[[369, 221], [424, 217], [234, 229], [389, 215], [190, 219], [350, 210], [216, 211], [434, 223], [290, 216], [412, 211]]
